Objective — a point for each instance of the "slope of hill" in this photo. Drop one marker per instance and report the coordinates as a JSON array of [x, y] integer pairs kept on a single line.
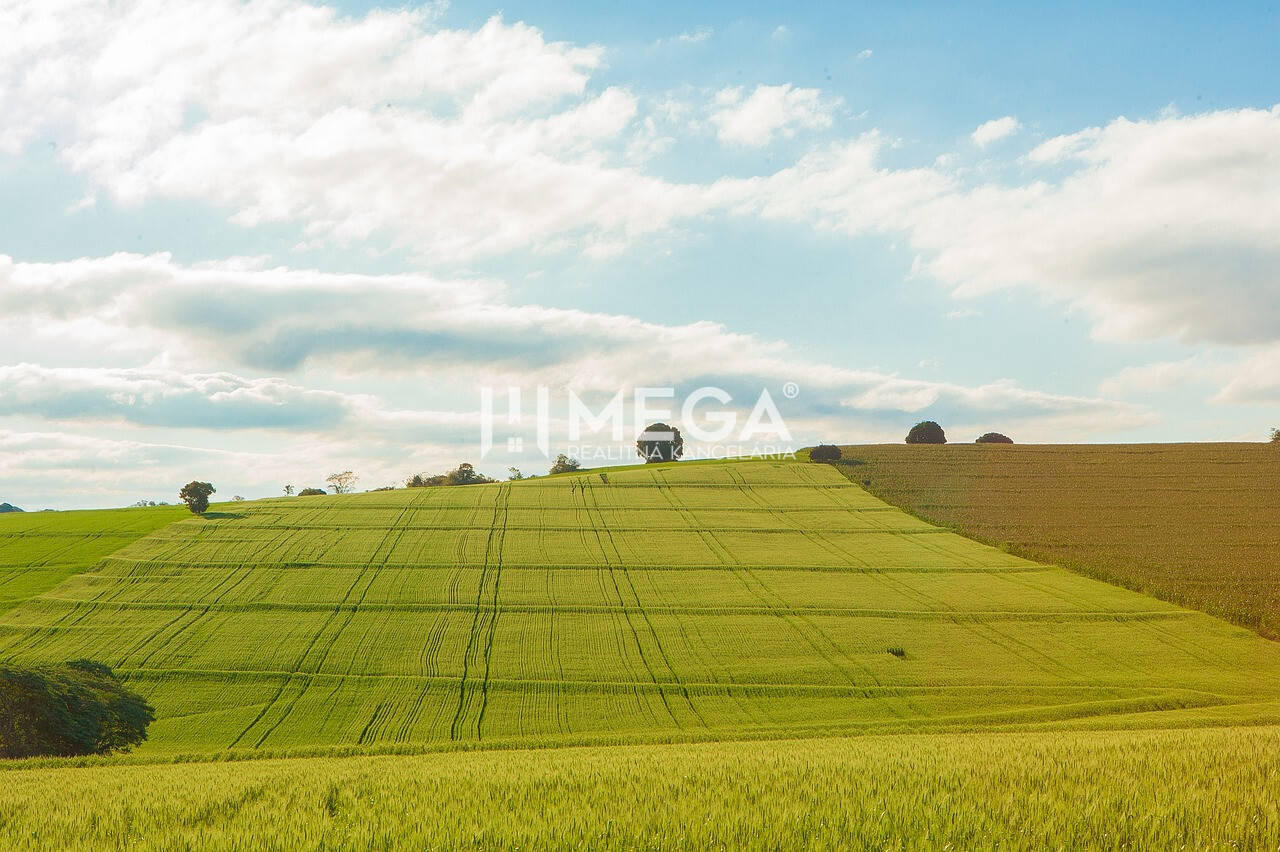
[[672, 602], [38, 550], [6, 508], [1196, 524]]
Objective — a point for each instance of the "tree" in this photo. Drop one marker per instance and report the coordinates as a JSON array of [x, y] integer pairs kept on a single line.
[[75, 708], [196, 495], [564, 464], [1275, 436], [660, 443], [994, 438], [288, 491], [312, 492], [514, 474], [465, 474], [825, 453], [926, 432], [342, 483]]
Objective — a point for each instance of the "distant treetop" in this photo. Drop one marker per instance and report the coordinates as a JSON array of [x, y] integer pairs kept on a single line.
[[994, 438], [926, 432], [825, 453], [660, 443]]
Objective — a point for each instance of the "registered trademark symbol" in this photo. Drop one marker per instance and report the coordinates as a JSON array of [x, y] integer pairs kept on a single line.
[[791, 390]]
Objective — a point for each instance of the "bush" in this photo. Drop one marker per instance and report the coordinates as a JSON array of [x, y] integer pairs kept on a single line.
[[564, 464], [312, 492], [825, 453], [994, 438], [926, 432], [1275, 437], [463, 474], [72, 709], [660, 443]]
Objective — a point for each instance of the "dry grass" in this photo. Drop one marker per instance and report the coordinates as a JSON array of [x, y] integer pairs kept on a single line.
[[1196, 524]]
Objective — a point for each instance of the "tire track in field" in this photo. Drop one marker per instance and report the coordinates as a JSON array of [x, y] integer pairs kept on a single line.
[[370, 573], [796, 619], [589, 489], [479, 624], [504, 499]]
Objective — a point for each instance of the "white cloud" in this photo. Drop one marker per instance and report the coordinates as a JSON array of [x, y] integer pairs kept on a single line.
[[382, 128], [1161, 228], [151, 397], [994, 130], [769, 112]]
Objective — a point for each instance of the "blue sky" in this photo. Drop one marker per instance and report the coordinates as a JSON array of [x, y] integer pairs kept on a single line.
[[259, 242]]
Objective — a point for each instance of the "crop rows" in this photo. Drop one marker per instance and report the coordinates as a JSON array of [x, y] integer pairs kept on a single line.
[[671, 601]]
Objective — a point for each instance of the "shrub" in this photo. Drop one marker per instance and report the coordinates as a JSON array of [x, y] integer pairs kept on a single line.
[[994, 438], [312, 492], [926, 432], [897, 651], [1275, 436], [660, 443], [72, 709], [825, 453]]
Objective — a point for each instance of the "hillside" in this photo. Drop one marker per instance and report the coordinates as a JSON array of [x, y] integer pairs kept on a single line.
[[1195, 524], [39, 550], [672, 602]]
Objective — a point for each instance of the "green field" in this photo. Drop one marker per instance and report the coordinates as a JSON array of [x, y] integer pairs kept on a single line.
[[1195, 524], [674, 602], [38, 550], [1201, 789]]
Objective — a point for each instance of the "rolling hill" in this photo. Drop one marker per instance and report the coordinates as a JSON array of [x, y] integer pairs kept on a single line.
[[1195, 524], [671, 602]]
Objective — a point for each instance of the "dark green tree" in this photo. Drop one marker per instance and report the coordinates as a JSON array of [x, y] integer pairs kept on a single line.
[[660, 443], [72, 709], [312, 492], [825, 453], [196, 495], [994, 438], [564, 464], [926, 432]]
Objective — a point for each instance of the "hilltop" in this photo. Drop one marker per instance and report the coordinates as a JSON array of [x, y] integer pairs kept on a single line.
[[672, 602], [8, 507]]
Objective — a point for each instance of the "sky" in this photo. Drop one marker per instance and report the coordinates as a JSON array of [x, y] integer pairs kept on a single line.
[[255, 243]]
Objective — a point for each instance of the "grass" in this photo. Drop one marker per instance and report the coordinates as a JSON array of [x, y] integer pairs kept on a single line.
[[1195, 524], [1198, 789], [674, 603], [39, 550]]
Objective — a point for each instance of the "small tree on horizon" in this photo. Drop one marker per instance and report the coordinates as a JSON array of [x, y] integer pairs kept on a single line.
[[288, 491], [825, 453], [312, 492], [994, 438], [660, 443], [564, 464], [342, 483], [1275, 436], [926, 432], [196, 495]]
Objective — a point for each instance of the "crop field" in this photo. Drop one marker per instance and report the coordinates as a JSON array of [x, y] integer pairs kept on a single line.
[[38, 550], [666, 603], [1197, 789], [1195, 524]]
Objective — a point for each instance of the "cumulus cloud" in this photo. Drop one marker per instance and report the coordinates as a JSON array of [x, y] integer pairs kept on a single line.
[[384, 127], [995, 130], [768, 112], [1159, 228]]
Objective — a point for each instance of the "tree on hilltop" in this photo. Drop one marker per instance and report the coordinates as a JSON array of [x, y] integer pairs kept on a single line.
[[196, 495], [564, 464], [342, 483], [660, 443], [926, 432], [994, 438], [825, 453]]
